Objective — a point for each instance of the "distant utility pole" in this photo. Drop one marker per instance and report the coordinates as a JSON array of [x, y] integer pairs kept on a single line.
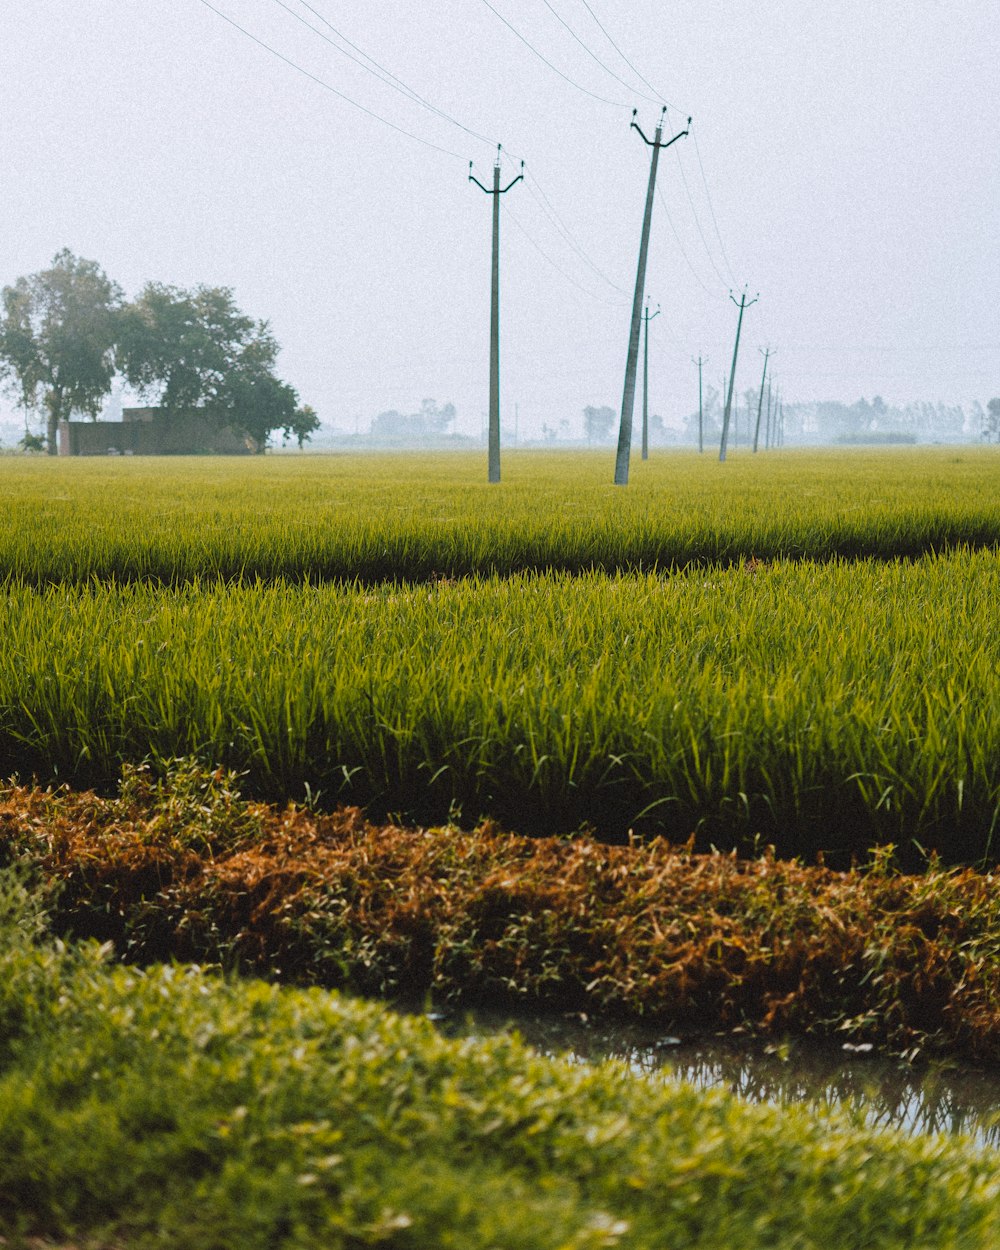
[[732, 372], [756, 434], [768, 427], [645, 382], [496, 192], [517, 415], [701, 412], [631, 360]]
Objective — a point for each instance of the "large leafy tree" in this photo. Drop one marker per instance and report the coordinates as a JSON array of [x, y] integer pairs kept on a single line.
[[57, 338], [196, 349]]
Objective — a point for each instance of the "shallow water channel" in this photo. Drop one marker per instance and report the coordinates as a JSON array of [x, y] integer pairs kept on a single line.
[[936, 1098]]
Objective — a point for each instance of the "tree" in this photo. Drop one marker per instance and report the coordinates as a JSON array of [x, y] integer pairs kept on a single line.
[[991, 423], [197, 350], [597, 423], [429, 423], [303, 425], [57, 337]]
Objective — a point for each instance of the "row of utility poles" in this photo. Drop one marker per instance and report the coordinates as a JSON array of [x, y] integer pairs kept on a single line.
[[631, 360]]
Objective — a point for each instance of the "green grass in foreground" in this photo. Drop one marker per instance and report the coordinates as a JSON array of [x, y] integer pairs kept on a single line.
[[171, 1108], [825, 706], [403, 517]]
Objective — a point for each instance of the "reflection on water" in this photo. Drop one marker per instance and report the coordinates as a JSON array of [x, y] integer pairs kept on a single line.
[[935, 1099]]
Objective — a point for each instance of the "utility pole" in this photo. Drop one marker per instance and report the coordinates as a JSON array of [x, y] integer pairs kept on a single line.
[[768, 426], [732, 372], [701, 413], [645, 382], [517, 415], [631, 360], [766, 353], [494, 436]]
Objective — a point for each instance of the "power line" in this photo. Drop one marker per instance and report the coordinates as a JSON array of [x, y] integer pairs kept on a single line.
[[566, 78], [380, 72], [593, 55], [572, 281], [604, 32], [534, 187], [708, 197], [327, 87], [680, 245], [697, 222]]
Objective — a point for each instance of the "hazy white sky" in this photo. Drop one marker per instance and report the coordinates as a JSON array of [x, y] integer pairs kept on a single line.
[[850, 152]]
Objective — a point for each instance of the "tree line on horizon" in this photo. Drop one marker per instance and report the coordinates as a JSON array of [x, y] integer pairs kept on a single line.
[[67, 332]]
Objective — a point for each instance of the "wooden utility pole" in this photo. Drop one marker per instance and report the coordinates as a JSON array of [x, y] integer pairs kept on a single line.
[[766, 353], [701, 412], [742, 305], [494, 433], [631, 360], [645, 382]]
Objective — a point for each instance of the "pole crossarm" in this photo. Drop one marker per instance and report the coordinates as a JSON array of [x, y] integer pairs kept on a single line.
[[655, 143]]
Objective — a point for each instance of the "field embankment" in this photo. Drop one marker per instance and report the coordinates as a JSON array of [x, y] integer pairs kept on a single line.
[[185, 869], [373, 519], [820, 707], [171, 1108]]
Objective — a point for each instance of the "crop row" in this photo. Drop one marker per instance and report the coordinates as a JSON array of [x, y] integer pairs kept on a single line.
[[822, 707], [168, 1107], [183, 868], [395, 518]]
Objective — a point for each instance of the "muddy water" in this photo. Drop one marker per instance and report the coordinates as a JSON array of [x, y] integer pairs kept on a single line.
[[937, 1098]]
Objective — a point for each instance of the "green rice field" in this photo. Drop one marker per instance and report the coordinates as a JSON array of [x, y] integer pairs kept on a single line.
[[821, 706], [392, 517], [184, 608]]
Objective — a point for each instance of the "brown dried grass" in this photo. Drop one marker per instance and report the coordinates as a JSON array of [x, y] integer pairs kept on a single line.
[[908, 962]]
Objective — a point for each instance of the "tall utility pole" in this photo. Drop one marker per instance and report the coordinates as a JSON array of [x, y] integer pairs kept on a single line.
[[766, 353], [631, 360], [494, 436], [645, 382], [732, 372], [701, 412]]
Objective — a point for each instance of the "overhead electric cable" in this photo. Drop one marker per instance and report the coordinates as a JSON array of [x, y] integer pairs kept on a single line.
[[687, 260], [697, 222], [593, 55], [566, 78], [572, 281], [333, 90], [712, 210], [604, 32], [537, 192], [546, 205], [380, 71]]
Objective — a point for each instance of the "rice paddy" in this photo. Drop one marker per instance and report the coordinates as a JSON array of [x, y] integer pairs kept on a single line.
[[395, 518], [816, 706]]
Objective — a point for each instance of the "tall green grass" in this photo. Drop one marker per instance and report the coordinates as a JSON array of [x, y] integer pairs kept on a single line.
[[379, 518], [171, 1108], [821, 706]]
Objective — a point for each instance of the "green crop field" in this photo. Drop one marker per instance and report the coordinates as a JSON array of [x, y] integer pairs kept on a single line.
[[394, 517], [774, 672], [797, 649], [168, 1107]]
